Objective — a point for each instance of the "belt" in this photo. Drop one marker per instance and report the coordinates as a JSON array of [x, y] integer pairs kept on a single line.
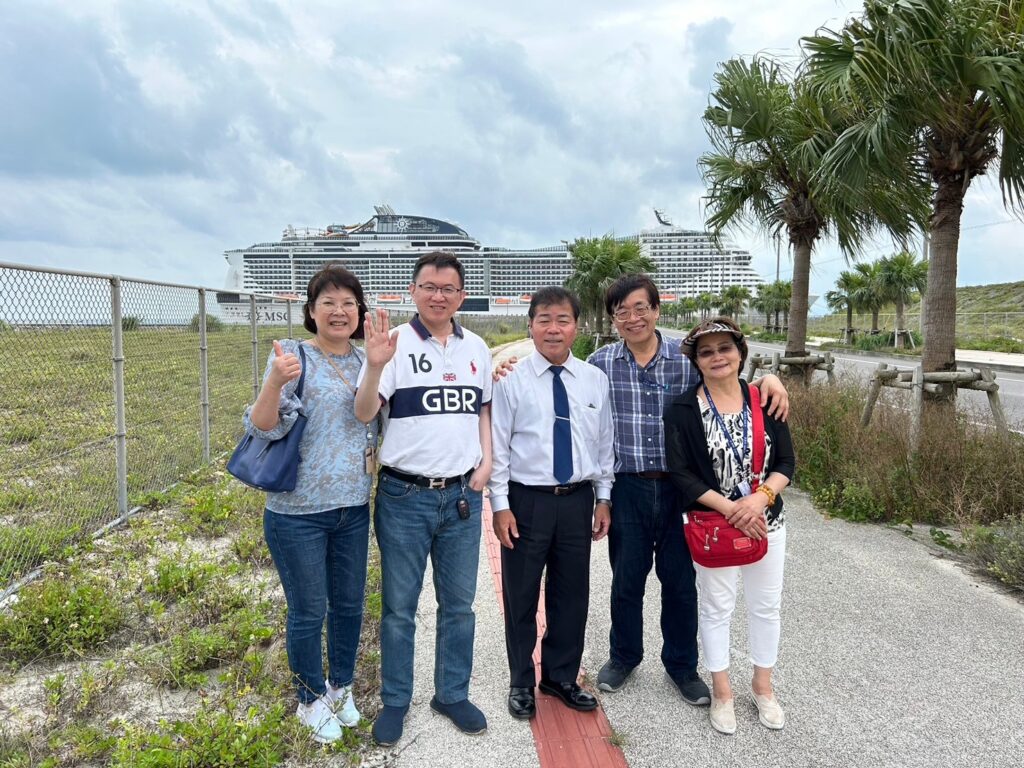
[[424, 482], [558, 490], [652, 475]]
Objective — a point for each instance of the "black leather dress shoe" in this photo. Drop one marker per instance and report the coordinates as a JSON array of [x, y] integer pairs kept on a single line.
[[571, 695], [521, 703]]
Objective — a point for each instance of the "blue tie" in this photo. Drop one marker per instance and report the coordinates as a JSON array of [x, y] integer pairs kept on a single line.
[[563, 428]]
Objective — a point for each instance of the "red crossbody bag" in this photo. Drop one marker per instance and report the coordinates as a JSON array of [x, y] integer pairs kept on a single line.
[[713, 541]]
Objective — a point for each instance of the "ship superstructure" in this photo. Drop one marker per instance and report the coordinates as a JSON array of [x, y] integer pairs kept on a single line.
[[381, 252]]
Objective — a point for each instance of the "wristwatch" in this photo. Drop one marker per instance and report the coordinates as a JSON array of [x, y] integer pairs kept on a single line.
[[605, 501]]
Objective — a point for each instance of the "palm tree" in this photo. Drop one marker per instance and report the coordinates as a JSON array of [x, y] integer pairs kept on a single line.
[[688, 307], [941, 88], [733, 300], [596, 262], [843, 298], [705, 303], [770, 135], [869, 293], [782, 293], [901, 276], [764, 302]]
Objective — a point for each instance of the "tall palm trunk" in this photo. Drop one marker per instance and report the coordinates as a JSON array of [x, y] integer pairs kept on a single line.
[[874, 321], [940, 297], [849, 322], [899, 323], [796, 339]]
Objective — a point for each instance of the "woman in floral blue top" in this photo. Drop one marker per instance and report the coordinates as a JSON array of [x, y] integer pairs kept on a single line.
[[318, 533]]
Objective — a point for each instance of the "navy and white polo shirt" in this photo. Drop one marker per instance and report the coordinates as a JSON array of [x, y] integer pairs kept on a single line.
[[432, 395]]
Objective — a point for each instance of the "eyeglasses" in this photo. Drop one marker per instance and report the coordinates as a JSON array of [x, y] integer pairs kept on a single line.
[[706, 353], [446, 290], [329, 306], [640, 310]]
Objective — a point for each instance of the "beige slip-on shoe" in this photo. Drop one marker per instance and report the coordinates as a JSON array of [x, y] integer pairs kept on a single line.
[[723, 716], [769, 712]]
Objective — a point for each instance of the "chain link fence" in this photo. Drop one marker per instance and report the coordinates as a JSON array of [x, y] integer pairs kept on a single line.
[[113, 389]]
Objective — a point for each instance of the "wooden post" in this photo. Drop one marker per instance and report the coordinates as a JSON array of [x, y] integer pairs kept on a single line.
[[994, 403], [830, 365], [917, 408], [775, 363], [876, 387]]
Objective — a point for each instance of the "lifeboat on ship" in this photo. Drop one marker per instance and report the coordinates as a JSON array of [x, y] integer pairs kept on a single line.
[[390, 298]]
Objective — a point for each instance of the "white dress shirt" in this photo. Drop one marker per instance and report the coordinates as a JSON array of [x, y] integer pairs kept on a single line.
[[522, 427]]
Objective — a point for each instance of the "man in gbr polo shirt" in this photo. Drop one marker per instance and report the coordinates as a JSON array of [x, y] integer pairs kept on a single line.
[[432, 379]]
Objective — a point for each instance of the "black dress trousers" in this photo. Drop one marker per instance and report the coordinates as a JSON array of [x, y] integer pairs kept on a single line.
[[554, 532]]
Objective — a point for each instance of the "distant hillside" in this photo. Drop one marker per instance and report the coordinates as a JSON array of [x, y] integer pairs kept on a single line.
[[998, 297]]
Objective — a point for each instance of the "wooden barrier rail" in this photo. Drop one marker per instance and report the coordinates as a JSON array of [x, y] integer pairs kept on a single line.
[[935, 382], [806, 363]]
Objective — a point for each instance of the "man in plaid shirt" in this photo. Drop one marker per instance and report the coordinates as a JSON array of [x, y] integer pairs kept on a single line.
[[644, 370]]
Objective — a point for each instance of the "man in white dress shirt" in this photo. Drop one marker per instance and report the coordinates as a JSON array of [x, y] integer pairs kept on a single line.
[[553, 456]]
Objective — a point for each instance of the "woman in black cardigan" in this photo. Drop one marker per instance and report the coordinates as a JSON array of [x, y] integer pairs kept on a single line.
[[707, 438]]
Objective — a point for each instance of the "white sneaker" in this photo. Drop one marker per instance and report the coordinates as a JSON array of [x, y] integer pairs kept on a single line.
[[343, 704], [319, 717], [723, 716], [769, 712]]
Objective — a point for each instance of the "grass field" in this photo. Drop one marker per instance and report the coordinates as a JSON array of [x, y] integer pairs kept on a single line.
[[57, 422]]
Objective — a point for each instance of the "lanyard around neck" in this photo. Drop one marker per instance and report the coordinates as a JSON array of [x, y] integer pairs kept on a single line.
[[725, 430]]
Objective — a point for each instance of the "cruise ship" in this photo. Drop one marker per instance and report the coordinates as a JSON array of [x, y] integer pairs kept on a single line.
[[382, 251]]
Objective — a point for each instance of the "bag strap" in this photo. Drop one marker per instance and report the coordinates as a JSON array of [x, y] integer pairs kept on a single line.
[[302, 376], [757, 424]]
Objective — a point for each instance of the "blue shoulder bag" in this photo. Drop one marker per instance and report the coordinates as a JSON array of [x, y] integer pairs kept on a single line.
[[272, 465]]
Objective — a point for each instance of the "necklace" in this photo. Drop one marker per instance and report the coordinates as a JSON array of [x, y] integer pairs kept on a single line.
[[327, 357]]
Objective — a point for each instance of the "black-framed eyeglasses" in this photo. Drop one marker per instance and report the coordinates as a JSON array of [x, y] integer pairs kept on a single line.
[[624, 313], [445, 290]]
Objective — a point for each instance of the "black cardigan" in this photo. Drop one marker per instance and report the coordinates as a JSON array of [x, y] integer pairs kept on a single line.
[[689, 462]]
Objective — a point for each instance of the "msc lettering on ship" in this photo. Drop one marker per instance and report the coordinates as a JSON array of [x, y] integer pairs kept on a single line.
[[423, 401]]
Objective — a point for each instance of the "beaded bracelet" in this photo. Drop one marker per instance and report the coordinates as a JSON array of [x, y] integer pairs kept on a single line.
[[769, 493]]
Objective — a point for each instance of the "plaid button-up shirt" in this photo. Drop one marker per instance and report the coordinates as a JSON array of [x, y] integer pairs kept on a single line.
[[638, 397]]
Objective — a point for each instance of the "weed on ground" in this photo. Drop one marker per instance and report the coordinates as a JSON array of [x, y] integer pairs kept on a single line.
[[163, 645]]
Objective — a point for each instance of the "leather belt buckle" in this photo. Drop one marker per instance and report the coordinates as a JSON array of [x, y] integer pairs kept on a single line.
[[436, 482], [562, 490]]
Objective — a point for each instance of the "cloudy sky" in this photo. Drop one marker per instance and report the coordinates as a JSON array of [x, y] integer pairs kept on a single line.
[[145, 138]]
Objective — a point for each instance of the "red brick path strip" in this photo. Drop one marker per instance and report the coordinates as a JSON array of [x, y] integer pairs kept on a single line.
[[564, 737]]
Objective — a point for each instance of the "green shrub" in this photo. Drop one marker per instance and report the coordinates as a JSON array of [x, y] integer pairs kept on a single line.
[[130, 323], [997, 344], [583, 347], [999, 549], [62, 615], [173, 578], [962, 473], [213, 739], [250, 547], [213, 323]]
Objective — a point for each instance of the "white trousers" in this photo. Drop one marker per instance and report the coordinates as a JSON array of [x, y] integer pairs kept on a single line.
[[762, 589]]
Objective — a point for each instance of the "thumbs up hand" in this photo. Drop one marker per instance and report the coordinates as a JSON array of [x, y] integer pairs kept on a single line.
[[284, 368]]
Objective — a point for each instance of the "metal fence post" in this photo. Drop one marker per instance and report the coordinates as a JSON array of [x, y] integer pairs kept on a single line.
[[290, 301], [204, 378], [120, 428], [255, 349]]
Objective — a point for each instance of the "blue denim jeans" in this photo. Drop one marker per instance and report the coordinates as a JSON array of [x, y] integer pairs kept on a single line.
[[321, 559], [647, 527], [411, 523]]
